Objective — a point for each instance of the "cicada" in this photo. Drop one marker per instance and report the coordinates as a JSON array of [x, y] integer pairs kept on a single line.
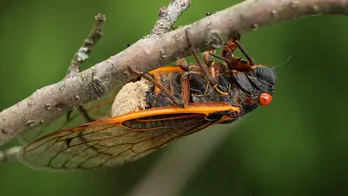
[[163, 105]]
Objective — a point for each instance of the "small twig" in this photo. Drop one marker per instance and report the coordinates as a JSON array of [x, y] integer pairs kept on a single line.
[[83, 52], [168, 16], [9, 154], [79, 58]]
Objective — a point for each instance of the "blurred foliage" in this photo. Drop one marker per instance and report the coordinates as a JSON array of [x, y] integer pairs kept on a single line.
[[296, 146]]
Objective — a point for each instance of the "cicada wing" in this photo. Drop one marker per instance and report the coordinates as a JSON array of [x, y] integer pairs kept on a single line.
[[109, 142], [94, 110]]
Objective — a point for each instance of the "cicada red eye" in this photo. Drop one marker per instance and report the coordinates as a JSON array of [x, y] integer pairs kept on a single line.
[[265, 99]]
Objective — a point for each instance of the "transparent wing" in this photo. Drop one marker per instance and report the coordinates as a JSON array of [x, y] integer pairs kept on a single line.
[[109, 142], [94, 110]]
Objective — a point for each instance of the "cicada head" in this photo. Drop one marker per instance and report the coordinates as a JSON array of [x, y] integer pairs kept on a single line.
[[257, 87]]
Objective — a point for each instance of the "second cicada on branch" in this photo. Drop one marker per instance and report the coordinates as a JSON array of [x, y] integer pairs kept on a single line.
[[163, 105]]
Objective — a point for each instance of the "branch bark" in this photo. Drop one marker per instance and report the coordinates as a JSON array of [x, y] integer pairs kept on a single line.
[[168, 15], [84, 51], [151, 52]]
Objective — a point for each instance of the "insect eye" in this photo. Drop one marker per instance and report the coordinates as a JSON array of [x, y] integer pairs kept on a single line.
[[265, 99]]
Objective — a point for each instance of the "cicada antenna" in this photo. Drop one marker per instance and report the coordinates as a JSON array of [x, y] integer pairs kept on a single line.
[[281, 64]]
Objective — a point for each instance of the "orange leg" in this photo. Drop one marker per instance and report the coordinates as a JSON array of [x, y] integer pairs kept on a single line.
[[183, 64], [232, 61], [207, 57], [204, 68], [229, 48], [242, 49], [158, 85]]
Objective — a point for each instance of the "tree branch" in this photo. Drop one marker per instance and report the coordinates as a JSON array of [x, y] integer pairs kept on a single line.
[[79, 58], [83, 52], [151, 52], [168, 16]]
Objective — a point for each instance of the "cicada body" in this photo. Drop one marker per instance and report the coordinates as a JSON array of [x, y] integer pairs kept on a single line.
[[145, 116]]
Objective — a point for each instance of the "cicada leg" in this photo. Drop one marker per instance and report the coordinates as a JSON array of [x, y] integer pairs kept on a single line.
[[209, 69], [158, 85], [245, 53], [213, 81], [207, 57], [228, 49], [233, 62], [183, 64]]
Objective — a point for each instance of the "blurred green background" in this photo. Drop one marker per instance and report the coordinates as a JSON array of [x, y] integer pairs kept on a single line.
[[296, 146]]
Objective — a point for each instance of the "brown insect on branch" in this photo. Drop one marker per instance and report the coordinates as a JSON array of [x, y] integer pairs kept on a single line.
[[151, 52]]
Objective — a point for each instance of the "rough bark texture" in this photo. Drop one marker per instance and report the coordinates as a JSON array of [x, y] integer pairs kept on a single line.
[[168, 16], [151, 52]]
